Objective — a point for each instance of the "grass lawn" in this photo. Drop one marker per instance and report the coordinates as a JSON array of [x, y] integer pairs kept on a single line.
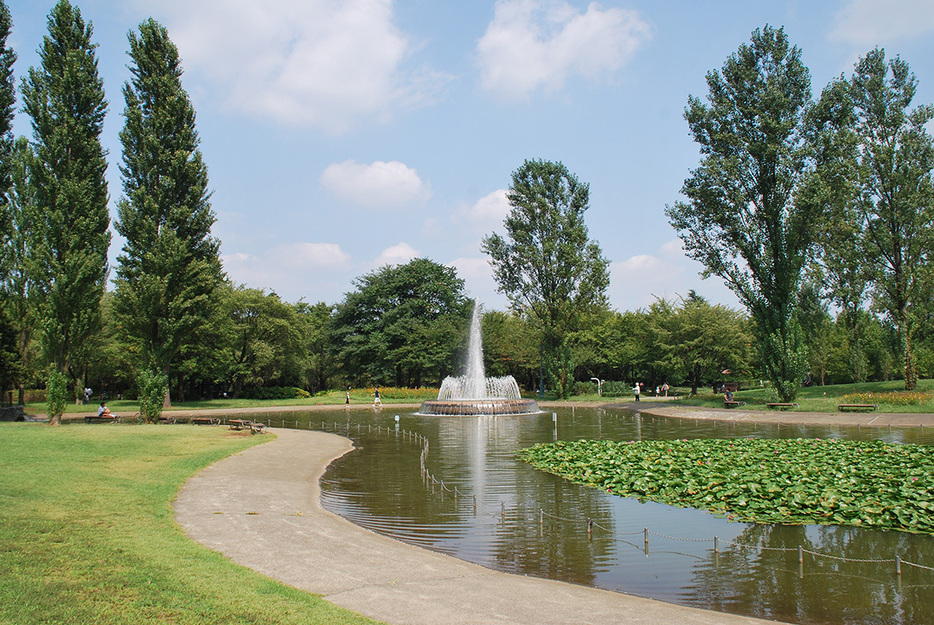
[[87, 533], [328, 398], [890, 396]]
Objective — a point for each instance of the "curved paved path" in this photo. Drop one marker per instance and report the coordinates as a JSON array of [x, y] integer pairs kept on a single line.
[[261, 508]]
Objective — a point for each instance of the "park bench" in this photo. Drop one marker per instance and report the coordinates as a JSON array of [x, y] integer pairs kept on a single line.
[[238, 424], [257, 428], [867, 407], [729, 403], [781, 405], [170, 420], [204, 421], [108, 418]]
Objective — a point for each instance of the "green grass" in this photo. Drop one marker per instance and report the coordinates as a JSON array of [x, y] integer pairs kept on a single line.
[[329, 398], [87, 533], [890, 396]]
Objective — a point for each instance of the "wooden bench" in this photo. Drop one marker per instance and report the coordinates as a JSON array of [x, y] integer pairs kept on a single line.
[[204, 421], [257, 428], [110, 418], [238, 424], [729, 403], [867, 407], [781, 405], [171, 420]]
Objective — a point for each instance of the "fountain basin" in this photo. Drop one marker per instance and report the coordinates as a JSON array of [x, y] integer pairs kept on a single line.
[[486, 406]]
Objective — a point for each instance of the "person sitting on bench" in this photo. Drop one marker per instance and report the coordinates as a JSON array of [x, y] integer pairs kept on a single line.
[[104, 411]]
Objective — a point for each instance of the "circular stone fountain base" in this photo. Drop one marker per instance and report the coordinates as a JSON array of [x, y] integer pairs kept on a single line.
[[467, 407]]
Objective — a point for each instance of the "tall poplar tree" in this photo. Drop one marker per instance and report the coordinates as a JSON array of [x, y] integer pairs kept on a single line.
[[169, 270], [19, 248], [895, 201], [743, 219], [64, 96], [9, 368], [548, 267], [7, 111]]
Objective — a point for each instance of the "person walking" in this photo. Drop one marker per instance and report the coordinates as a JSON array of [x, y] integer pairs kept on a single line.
[[636, 390], [376, 399]]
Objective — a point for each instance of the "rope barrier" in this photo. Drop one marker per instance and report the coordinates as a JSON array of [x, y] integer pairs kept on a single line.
[[589, 524]]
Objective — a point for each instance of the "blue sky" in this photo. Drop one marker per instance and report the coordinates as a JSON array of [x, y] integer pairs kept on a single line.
[[342, 135]]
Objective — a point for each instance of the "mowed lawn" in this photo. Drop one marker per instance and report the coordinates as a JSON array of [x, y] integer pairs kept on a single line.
[[87, 533]]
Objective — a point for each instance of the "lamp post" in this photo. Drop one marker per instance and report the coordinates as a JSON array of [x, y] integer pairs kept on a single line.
[[599, 385]]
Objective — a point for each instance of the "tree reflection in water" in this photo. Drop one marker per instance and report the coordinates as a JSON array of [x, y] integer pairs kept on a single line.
[[759, 575], [380, 487]]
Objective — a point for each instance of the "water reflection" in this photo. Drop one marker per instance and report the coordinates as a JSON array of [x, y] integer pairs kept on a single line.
[[516, 519]]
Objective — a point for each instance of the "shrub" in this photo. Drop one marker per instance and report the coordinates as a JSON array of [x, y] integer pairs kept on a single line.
[[152, 387], [585, 388], [614, 388], [275, 392], [57, 389]]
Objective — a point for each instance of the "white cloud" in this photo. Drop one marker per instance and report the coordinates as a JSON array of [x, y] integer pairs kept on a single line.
[[487, 212], [398, 254], [637, 281], [320, 63], [479, 283], [870, 22], [379, 185], [293, 270], [309, 255], [538, 44]]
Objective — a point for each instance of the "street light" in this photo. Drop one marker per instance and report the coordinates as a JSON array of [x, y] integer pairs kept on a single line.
[[599, 385]]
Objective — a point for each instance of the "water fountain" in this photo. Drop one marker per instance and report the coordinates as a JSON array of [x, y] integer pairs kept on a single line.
[[475, 394]]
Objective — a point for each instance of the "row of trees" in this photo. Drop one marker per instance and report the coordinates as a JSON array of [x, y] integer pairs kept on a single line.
[[793, 192], [56, 224], [407, 326], [797, 205]]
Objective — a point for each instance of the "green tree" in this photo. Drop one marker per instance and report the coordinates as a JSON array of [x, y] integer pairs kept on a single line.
[[64, 97], [402, 325], [169, 271], [816, 325], [895, 204], [549, 269], [840, 268], [318, 363], [698, 341], [510, 347], [264, 339], [741, 220], [10, 362], [19, 246]]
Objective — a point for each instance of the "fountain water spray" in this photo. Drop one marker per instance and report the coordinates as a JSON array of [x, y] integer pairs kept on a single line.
[[475, 394]]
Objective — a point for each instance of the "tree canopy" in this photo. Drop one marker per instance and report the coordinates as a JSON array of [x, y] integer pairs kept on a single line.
[[547, 266], [64, 97], [403, 325], [743, 220], [169, 271]]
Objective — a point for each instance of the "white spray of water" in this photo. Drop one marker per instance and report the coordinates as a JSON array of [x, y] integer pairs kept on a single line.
[[474, 384]]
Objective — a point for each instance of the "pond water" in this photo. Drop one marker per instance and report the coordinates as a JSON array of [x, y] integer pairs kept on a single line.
[[497, 511]]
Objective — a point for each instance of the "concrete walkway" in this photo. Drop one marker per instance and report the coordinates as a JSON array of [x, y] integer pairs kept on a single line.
[[261, 508]]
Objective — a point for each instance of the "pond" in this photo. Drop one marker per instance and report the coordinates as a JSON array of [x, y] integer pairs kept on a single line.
[[454, 485]]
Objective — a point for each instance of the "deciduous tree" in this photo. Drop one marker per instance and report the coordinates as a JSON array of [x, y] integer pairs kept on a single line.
[[169, 270], [402, 325], [547, 266], [64, 97], [742, 220], [895, 202]]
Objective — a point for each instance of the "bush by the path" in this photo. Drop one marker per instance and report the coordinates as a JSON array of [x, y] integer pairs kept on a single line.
[[801, 481]]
